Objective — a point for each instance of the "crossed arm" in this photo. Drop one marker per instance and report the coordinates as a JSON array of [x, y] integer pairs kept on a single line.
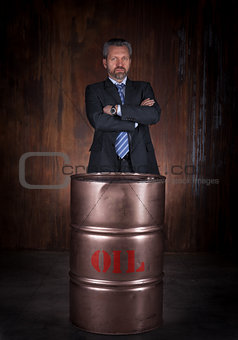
[[147, 112], [145, 102]]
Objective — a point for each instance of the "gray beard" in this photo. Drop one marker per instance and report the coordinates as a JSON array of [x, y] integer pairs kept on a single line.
[[119, 75]]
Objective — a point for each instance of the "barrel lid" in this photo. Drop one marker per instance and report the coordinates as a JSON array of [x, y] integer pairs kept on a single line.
[[118, 177]]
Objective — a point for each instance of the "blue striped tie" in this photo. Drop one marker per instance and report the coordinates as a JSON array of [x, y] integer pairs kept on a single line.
[[122, 143]]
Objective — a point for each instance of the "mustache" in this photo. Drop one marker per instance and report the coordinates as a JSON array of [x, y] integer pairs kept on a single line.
[[120, 69]]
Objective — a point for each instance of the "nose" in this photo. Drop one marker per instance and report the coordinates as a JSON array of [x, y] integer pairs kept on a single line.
[[119, 62]]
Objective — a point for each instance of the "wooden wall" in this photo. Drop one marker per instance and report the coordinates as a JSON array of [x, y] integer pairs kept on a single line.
[[52, 49]]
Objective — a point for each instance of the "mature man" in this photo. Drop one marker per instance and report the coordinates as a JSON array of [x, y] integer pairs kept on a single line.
[[121, 110]]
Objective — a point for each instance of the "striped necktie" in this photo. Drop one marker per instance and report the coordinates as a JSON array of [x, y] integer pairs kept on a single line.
[[122, 143]]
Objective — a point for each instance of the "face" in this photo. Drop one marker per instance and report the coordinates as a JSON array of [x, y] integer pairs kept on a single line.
[[118, 62]]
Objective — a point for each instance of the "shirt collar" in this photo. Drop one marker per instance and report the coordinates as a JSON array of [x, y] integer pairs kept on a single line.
[[115, 82]]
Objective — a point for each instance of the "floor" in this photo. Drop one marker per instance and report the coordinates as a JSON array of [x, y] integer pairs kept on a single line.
[[200, 298]]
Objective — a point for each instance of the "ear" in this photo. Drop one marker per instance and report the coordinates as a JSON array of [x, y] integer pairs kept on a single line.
[[104, 61]]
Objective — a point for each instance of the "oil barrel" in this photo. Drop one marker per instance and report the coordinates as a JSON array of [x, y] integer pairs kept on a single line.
[[116, 252]]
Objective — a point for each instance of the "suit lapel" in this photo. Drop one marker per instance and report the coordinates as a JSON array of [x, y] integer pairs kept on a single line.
[[112, 90], [130, 92], [131, 95]]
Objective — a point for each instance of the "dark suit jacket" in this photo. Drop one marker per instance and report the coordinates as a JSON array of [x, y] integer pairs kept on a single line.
[[103, 156]]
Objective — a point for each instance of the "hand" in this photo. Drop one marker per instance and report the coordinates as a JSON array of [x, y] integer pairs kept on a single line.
[[147, 102], [107, 109]]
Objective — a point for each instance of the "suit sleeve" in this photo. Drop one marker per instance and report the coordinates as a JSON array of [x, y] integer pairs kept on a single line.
[[100, 120], [146, 115]]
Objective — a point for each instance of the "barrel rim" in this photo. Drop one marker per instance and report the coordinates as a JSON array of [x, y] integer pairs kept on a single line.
[[148, 229], [118, 177], [112, 284]]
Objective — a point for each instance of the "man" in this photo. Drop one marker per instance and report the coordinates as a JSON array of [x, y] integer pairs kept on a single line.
[[121, 110]]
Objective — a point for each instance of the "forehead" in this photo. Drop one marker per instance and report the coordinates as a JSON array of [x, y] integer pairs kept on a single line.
[[118, 51]]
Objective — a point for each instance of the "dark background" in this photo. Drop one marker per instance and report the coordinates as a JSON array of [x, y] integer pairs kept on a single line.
[[187, 50]]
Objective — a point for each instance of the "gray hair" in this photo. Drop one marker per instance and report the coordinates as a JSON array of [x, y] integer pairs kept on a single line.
[[116, 42]]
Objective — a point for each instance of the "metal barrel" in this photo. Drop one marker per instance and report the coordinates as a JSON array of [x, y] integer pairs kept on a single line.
[[116, 252]]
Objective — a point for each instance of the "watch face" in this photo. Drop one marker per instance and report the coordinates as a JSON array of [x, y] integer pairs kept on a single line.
[[113, 110]]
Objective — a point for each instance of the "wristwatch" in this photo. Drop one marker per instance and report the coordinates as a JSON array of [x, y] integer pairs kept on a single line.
[[113, 110]]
